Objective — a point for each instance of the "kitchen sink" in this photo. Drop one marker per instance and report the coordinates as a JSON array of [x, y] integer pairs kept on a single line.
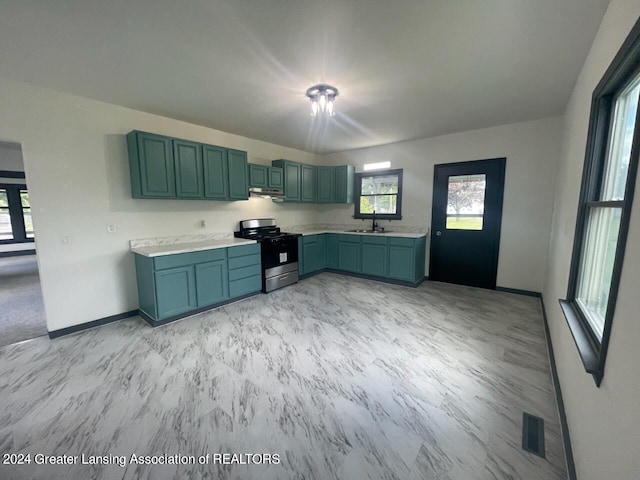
[[368, 231]]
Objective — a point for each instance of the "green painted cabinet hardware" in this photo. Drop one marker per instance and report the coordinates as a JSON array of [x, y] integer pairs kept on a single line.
[[326, 182], [176, 285], [291, 172], [151, 165], [216, 180], [258, 176], [375, 256], [308, 183], [344, 175], [276, 177], [238, 187], [187, 157]]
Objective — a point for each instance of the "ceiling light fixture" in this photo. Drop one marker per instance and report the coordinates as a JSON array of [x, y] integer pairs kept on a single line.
[[322, 98]]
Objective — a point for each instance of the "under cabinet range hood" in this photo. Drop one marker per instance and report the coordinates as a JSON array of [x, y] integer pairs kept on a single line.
[[274, 193]]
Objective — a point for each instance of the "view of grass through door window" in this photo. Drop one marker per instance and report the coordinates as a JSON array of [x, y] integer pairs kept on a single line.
[[465, 202], [6, 232]]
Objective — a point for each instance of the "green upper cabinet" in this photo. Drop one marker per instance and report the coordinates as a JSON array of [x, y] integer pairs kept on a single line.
[[291, 172], [216, 184], [188, 169], [344, 183], [308, 183], [326, 181], [151, 165], [238, 187], [258, 176], [276, 177]]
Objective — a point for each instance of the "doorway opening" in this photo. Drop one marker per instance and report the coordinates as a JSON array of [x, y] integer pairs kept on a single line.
[[22, 314]]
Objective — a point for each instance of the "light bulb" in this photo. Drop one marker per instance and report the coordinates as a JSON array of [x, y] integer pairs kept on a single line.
[[314, 108], [330, 108], [323, 101]]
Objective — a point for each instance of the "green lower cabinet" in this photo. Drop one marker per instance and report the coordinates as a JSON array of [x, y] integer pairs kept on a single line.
[[175, 291], [313, 253], [211, 282], [349, 253], [401, 263], [375, 256], [331, 250]]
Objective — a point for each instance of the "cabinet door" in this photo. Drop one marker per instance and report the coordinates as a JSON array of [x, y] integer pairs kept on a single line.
[[258, 176], [322, 251], [331, 250], [326, 184], [401, 262], [238, 187], [308, 180], [212, 282], [349, 256], [310, 253], [216, 183], [276, 177], [175, 291], [374, 258], [155, 162], [344, 183], [187, 158], [292, 182]]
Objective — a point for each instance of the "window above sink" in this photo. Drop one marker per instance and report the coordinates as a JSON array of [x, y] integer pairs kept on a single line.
[[378, 194]]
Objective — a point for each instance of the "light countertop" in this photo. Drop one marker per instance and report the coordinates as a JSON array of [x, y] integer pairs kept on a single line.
[[390, 233], [159, 250]]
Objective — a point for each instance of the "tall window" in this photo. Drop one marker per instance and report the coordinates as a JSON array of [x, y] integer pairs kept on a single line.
[[15, 214], [379, 192], [605, 203]]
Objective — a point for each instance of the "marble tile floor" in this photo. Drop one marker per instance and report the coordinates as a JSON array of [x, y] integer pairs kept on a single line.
[[342, 378]]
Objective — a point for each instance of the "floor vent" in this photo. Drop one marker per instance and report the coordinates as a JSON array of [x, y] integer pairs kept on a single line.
[[533, 434]]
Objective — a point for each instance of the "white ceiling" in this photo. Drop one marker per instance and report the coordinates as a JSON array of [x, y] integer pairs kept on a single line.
[[405, 69]]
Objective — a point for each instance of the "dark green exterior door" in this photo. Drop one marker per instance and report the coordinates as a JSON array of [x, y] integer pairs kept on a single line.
[[212, 282], [308, 182], [216, 184], [175, 291], [326, 184], [156, 166], [238, 186], [188, 169]]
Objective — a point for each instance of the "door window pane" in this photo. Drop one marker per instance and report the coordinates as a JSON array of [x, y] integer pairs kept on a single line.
[[26, 213], [596, 266], [6, 232], [465, 202], [619, 148]]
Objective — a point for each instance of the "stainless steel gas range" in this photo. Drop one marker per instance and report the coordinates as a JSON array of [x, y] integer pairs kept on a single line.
[[279, 251]]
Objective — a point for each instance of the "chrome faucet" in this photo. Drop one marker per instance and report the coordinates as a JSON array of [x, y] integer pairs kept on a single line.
[[374, 225]]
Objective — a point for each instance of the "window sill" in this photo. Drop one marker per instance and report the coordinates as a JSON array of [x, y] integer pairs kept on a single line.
[[589, 355]]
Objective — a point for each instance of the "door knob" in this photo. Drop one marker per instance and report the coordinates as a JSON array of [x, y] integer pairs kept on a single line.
[[438, 233]]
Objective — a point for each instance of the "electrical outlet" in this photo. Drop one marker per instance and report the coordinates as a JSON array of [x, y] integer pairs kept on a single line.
[[203, 223], [65, 240], [111, 228]]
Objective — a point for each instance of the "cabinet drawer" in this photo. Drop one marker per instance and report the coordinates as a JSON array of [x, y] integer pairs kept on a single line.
[[242, 250], [244, 286], [247, 260], [349, 238], [374, 240], [191, 258], [401, 242], [244, 272], [310, 239]]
